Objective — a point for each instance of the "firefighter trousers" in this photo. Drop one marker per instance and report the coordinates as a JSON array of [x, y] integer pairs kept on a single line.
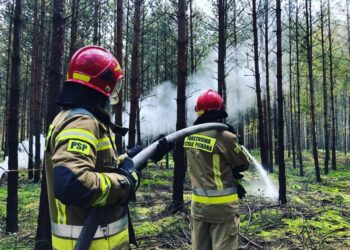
[[214, 236]]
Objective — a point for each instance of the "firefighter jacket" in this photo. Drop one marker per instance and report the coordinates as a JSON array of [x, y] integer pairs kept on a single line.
[[79, 158], [212, 156]]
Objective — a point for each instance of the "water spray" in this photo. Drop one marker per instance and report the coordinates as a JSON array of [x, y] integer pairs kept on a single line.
[[270, 189]]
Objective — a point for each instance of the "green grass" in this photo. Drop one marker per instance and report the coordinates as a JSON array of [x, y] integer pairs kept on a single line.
[[28, 204], [317, 215]]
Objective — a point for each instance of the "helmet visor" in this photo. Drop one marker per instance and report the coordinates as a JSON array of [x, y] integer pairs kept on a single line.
[[114, 97]]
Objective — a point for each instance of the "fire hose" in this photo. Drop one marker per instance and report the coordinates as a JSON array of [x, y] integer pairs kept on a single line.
[[96, 214]]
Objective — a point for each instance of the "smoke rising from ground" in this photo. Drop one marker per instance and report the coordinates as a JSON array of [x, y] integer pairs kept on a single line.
[[158, 109]]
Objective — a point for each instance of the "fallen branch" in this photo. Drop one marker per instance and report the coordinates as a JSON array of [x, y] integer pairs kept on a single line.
[[250, 214], [186, 236], [250, 241], [330, 234]]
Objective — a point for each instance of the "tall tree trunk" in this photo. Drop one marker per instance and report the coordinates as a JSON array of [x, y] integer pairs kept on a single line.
[[281, 163], [126, 67], [118, 51], [291, 105], [46, 76], [141, 80], [12, 183], [267, 79], [234, 22], [33, 89], [222, 9], [325, 93], [37, 99], [165, 53], [4, 143], [348, 23], [95, 38], [24, 102], [134, 81], [345, 122], [55, 77], [192, 57], [309, 45], [330, 54], [275, 125], [300, 157], [179, 157], [73, 27], [263, 150], [348, 29]]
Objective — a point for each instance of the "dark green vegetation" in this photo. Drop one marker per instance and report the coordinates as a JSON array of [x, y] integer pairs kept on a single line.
[[317, 215]]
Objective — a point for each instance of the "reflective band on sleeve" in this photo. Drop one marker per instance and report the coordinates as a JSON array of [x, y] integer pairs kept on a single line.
[[73, 232], [200, 142], [79, 134], [135, 176], [80, 76], [215, 199], [104, 144], [105, 186], [61, 212], [214, 192], [217, 171], [237, 149], [51, 127]]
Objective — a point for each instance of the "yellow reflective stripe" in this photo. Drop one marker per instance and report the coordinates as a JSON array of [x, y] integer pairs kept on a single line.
[[61, 212], [105, 186], [73, 231], [112, 242], [200, 142], [51, 127], [80, 76], [104, 143], [135, 176], [215, 199], [237, 149], [79, 134], [217, 172], [200, 112]]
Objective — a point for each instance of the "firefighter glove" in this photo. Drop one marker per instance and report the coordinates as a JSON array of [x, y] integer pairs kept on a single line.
[[132, 152], [241, 192], [163, 147], [127, 169], [237, 175]]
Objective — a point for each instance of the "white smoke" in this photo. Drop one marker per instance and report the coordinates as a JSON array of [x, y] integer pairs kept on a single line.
[[158, 109]]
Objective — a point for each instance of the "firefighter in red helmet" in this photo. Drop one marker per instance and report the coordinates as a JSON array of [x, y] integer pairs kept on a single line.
[[82, 167], [214, 160]]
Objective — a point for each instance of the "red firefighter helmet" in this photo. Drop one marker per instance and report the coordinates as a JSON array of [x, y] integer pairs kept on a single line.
[[96, 68], [208, 101]]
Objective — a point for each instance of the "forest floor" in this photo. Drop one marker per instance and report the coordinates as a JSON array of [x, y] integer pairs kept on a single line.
[[317, 215]]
